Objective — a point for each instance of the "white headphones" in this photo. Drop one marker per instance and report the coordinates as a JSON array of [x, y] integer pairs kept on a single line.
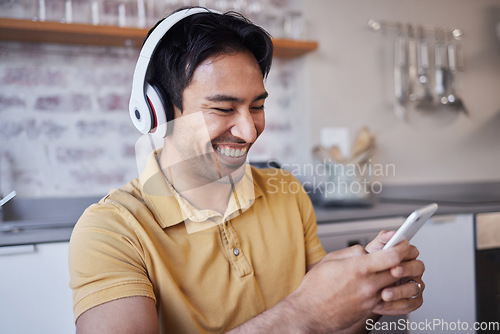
[[146, 105]]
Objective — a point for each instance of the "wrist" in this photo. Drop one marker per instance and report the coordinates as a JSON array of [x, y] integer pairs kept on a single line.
[[284, 318], [303, 317], [298, 321]]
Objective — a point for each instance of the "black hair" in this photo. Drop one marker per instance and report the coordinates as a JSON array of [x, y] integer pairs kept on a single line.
[[196, 38]]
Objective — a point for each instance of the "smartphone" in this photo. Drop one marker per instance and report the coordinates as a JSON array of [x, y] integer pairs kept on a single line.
[[412, 224]]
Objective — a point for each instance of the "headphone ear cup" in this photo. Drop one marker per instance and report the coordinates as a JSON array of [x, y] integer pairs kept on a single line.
[[141, 115], [155, 101], [164, 97]]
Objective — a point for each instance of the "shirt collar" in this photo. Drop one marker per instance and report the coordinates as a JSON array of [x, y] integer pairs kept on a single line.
[[170, 208]]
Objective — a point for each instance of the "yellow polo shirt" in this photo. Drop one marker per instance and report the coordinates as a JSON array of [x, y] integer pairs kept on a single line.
[[134, 242]]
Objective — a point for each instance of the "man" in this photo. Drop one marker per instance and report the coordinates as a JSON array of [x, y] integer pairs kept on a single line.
[[203, 243]]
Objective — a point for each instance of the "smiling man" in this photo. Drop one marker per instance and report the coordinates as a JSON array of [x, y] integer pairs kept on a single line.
[[222, 116], [203, 243]]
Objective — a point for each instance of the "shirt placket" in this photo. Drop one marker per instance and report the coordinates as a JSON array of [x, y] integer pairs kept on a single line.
[[236, 255]]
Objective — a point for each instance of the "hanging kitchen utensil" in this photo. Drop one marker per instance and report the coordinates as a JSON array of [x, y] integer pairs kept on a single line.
[[424, 97], [412, 64], [421, 79], [453, 101], [401, 73], [459, 56], [440, 69]]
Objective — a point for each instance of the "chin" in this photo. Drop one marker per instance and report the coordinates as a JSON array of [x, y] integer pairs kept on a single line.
[[232, 174]]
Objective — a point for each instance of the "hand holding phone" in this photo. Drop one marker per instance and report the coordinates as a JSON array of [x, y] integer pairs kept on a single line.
[[412, 224]]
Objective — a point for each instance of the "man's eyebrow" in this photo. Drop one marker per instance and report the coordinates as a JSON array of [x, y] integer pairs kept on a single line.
[[261, 96], [229, 98]]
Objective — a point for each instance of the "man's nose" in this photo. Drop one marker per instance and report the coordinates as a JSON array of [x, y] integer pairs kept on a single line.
[[244, 127]]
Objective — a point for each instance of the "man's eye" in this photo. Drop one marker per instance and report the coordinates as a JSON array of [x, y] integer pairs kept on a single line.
[[226, 110], [258, 107]]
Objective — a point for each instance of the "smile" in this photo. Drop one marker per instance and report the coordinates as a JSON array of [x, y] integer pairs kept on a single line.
[[231, 152]]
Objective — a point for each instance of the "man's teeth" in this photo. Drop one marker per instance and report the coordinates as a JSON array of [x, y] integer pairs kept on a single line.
[[231, 152]]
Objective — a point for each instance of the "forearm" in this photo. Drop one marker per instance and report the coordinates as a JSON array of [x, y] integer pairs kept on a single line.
[[282, 318], [285, 318], [360, 326]]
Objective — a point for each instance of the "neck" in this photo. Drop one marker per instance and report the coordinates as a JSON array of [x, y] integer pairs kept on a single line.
[[200, 192]]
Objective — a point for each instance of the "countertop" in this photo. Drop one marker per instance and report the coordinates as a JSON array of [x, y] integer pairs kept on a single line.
[[30, 226], [401, 200], [41, 220], [35, 236], [383, 209]]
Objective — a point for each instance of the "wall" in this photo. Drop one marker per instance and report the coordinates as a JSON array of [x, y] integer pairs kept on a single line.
[[64, 124], [349, 83], [64, 127]]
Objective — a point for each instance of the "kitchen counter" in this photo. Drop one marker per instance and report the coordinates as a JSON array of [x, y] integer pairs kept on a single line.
[[28, 236], [382, 209], [401, 200], [395, 201], [41, 220]]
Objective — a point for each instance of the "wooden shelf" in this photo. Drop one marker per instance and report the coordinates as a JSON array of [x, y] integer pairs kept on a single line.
[[54, 32], [291, 48]]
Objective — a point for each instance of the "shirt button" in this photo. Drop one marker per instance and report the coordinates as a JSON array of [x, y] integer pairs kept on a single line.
[[236, 251]]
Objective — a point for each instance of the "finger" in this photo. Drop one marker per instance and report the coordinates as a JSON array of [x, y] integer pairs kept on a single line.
[[387, 258], [379, 242], [404, 291], [383, 280], [398, 307], [345, 253], [413, 253], [413, 268]]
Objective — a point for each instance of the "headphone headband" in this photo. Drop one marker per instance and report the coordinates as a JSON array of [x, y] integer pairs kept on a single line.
[[144, 117]]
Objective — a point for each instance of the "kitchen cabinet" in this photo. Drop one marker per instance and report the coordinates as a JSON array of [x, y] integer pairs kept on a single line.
[[55, 32], [34, 289], [446, 245]]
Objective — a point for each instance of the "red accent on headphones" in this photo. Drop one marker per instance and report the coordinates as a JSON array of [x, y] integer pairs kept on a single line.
[[155, 120]]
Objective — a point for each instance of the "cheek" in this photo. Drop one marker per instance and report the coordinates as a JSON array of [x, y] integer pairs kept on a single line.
[[217, 128], [260, 123], [214, 127]]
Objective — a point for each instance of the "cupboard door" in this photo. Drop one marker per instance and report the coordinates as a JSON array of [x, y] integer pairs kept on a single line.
[[446, 245], [34, 289]]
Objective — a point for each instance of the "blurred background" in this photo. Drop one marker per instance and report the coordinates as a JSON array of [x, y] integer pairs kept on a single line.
[[64, 123], [403, 94]]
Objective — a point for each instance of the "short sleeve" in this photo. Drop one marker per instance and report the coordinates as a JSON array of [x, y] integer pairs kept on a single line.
[[106, 260], [314, 249]]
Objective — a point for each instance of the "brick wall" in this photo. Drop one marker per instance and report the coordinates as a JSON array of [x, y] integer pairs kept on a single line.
[[64, 124]]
